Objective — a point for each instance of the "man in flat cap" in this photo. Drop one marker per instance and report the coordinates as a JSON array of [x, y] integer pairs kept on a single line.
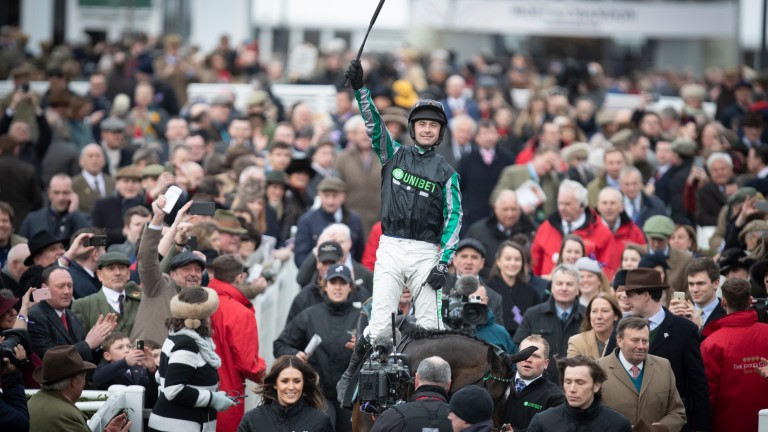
[[108, 212], [333, 194], [673, 338], [659, 229], [117, 294], [683, 152], [186, 270], [112, 143]]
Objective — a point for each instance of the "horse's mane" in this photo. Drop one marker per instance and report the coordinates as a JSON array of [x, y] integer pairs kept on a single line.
[[429, 334]]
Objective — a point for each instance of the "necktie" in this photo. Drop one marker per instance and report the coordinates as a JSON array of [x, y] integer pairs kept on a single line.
[[563, 317], [487, 156], [635, 371], [100, 187], [519, 385], [121, 302], [64, 321], [635, 213]]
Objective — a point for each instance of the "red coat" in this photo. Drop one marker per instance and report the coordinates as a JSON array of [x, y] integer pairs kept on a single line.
[[628, 232], [369, 253], [731, 351], [546, 244], [237, 343]]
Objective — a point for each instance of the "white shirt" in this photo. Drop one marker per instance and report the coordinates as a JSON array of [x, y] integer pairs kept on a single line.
[[763, 173], [627, 365], [113, 298], [575, 224], [657, 319], [632, 205], [526, 381], [95, 182]]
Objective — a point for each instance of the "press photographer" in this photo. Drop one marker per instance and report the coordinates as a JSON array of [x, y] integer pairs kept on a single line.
[[466, 308], [13, 404]]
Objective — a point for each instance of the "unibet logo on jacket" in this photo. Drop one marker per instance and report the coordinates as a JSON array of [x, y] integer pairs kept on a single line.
[[413, 180]]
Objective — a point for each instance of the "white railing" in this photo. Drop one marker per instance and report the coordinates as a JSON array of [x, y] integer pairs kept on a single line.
[[118, 398], [762, 425]]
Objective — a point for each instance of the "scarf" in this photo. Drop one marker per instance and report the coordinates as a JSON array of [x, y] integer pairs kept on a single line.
[[206, 345]]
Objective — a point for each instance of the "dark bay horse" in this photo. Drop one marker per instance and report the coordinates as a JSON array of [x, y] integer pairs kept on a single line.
[[473, 362]]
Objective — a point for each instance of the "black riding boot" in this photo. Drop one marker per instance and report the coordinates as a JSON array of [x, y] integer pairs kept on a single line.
[[362, 348]]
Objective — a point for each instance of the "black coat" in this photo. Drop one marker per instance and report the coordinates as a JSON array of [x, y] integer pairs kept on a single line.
[[677, 340], [516, 300], [32, 152], [60, 226], [83, 283], [709, 202], [650, 206], [108, 213], [19, 187], [47, 331], [275, 418], [427, 399], [310, 295], [678, 177], [107, 374], [487, 231], [536, 397], [308, 273], [542, 319], [596, 418], [475, 176], [331, 322]]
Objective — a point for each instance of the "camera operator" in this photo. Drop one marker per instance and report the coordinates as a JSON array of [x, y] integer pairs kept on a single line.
[[14, 415], [466, 308]]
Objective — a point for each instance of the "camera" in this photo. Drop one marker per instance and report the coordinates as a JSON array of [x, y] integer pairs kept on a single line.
[[382, 385], [24, 87], [464, 312], [15, 337]]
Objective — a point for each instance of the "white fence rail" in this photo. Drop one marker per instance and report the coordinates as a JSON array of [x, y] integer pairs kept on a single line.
[[762, 425]]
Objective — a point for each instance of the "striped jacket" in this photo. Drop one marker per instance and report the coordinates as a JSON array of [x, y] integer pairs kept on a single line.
[[186, 383]]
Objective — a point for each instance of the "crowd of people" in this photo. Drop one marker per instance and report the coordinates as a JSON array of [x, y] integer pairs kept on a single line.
[[137, 226]]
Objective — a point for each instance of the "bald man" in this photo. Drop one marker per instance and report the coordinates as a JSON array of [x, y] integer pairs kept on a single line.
[[92, 184], [610, 205], [14, 268]]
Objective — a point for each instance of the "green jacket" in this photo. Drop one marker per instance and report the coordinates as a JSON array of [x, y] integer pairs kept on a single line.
[[52, 412], [89, 308]]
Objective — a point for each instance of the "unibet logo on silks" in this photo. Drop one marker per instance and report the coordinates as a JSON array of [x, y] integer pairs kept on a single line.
[[413, 180]]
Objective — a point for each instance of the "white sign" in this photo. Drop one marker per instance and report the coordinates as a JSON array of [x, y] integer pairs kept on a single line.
[[580, 18]]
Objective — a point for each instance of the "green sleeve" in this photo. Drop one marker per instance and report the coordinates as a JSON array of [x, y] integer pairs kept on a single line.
[[383, 144], [452, 215]]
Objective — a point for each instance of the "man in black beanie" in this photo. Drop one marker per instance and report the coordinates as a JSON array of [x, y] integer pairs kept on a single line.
[[471, 410]]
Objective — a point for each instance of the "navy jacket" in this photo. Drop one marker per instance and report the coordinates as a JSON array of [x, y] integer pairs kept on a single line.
[[312, 223]]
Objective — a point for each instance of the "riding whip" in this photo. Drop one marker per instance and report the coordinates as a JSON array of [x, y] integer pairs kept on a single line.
[[370, 26]]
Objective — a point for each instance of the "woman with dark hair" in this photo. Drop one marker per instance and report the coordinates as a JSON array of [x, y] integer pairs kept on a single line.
[[571, 250], [509, 277], [188, 367], [602, 314], [291, 400], [684, 239], [335, 321], [631, 255]]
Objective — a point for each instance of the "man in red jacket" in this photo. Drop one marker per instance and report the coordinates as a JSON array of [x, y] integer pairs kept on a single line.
[[610, 205], [731, 352], [235, 334], [573, 216]]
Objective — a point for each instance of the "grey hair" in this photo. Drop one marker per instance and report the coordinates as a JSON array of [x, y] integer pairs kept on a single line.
[[353, 122], [434, 370], [568, 269], [631, 323], [340, 228], [454, 121], [610, 190], [60, 385], [577, 188], [630, 170], [719, 156]]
